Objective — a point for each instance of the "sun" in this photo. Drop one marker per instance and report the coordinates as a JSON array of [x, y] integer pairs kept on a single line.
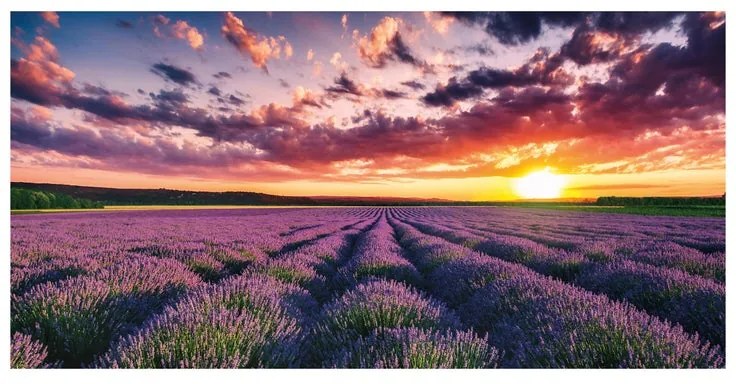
[[540, 185]]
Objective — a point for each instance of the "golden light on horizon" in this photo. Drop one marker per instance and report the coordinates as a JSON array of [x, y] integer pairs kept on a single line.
[[540, 185]]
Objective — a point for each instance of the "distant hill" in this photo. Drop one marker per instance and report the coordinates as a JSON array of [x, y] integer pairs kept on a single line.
[[118, 196], [122, 196]]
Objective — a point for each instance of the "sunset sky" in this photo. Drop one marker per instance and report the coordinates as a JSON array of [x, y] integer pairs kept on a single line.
[[453, 106]]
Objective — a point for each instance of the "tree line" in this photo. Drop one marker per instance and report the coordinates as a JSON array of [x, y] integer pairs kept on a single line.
[[661, 201], [31, 199]]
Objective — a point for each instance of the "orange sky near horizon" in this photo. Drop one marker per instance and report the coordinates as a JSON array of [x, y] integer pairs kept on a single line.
[[662, 183]]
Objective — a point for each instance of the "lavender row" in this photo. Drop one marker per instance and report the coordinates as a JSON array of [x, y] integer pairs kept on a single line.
[[539, 322], [377, 254], [696, 303], [387, 324], [659, 253], [704, 234]]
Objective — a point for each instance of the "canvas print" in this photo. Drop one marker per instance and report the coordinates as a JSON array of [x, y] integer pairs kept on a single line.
[[367, 189]]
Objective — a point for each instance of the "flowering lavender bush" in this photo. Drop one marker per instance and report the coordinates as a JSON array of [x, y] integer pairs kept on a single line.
[[75, 318], [544, 323], [384, 304], [417, 348], [26, 352], [247, 322], [375, 305], [698, 304]]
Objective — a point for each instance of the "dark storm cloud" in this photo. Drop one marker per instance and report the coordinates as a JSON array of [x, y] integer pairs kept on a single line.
[[344, 85], [173, 73], [620, 30], [513, 28], [392, 94], [664, 84], [97, 90], [633, 23], [541, 69], [413, 84], [234, 100], [214, 91], [169, 99], [222, 75], [125, 24], [402, 51], [447, 95]]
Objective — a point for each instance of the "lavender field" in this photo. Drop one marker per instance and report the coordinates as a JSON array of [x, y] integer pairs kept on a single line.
[[366, 287]]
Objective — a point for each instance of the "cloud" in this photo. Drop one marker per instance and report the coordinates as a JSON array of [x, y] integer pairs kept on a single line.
[[413, 84], [439, 23], [173, 73], [122, 149], [38, 76], [234, 100], [344, 85], [158, 22], [607, 36], [391, 94], [246, 41], [303, 97], [337, 62], [182, 30], [446, 95], [98, 90], [542, 68], [514, 28], [384, 44], [52, 18], [222, 75], [125, 24], [166, 99]]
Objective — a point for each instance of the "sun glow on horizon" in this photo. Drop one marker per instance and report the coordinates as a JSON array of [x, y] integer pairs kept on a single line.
[[540, 185]]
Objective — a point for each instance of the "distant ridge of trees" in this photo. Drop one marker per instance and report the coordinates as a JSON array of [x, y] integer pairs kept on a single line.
[[91, 197], [118, 196], [661, 201], [21, 198]]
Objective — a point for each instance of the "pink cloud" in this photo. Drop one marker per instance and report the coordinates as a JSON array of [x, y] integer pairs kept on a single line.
[[182, 30], [261, 49], [51, 18]]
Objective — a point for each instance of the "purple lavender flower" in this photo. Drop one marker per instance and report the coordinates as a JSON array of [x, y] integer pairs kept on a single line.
[[545, 323], [26, 352], [245, 322], [417, 348], [75, 318], [696, 303]]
